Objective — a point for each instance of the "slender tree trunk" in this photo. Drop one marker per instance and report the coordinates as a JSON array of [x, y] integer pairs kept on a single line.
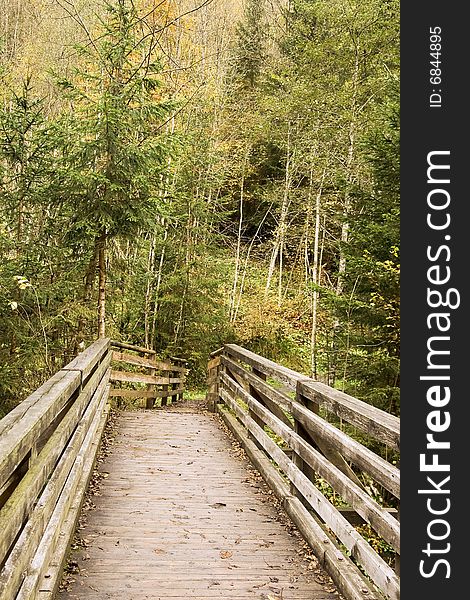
[[148, 291], [278, 248], [102, 284], [179, 328], [347, 204], [239, 242], [157, 290], [349, 174], [87, 294], [316, 279]]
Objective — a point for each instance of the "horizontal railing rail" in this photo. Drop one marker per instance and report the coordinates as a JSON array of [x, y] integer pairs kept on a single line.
[[154, 378], [48, 447], [300, 434]]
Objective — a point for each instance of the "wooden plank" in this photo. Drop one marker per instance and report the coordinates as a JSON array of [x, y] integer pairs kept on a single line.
[[87, 360], [190, 521], [125, 377], [345, 574], [377, 569], [18, 506], [261, 386], [51, 579], [382, 471], [369, 419], [217, 352], [178, 360], [126, 346], [266, 366], [18, 440], [25, 546], [385, 525], [377, 423], [124, 393], [252, 379], [17, 413], [70, 494], [327, 449], [146, 362]]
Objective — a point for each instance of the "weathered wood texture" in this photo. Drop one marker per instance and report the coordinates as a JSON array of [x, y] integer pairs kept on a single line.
[[52, 437], [370, 420], [161, 379], [179, 516], [343, 571], [266, 399], [141, 378], [126, 346]]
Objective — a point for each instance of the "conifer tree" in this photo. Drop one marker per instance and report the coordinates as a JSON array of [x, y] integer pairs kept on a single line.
[[119, 149], [250, 43]]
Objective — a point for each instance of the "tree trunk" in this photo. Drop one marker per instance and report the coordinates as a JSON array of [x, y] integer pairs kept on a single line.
[[148, 291], [349, 174], [102, 284], [316, 279], [278, 248], [87, 293], [239, 242]]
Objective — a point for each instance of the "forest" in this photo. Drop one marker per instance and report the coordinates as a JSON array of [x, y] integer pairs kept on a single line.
[[181, 174]]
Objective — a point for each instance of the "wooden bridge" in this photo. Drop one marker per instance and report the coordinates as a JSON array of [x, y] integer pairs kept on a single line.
[[176, 508]]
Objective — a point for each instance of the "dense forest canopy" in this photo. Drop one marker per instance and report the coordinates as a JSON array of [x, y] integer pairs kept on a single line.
[[181, 174]]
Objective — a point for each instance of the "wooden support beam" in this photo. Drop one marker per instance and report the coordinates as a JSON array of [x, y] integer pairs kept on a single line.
[[148, 363], [135, 394]]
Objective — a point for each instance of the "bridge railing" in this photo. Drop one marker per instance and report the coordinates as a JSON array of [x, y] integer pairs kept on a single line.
[[48, 446], [154, 378], [295, 431]]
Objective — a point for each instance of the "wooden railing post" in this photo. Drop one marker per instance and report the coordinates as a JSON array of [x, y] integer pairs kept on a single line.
[[150, 402], [212, 395]]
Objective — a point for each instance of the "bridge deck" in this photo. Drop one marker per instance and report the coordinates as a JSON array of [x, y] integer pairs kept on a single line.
[[181, 516]]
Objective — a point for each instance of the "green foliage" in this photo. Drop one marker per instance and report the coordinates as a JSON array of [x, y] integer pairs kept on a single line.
[[117, 152], [370, 317], [264, 211], [250, 53]]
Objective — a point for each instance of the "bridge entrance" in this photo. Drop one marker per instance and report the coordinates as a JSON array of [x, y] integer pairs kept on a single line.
[[180, 514]]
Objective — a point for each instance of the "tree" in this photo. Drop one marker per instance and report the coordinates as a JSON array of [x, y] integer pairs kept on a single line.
[[373, 277], [118, 151], [251, 36]]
